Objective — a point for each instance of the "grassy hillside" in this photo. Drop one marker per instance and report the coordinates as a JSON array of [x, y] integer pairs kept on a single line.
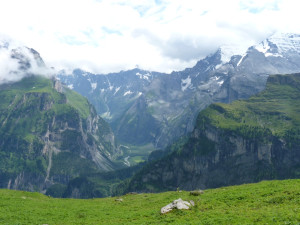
[[268, 202], [274, 111], [48, 135]]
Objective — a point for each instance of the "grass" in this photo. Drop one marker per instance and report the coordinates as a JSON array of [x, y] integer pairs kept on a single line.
[[137, 159], [78, 102], [275, 110], [267, 202], [39, 84]]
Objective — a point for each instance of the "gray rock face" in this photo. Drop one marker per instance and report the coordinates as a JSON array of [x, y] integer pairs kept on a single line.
[[161, 107], [232, 160]]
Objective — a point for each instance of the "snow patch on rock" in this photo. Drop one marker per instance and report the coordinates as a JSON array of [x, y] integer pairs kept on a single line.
[[263, 46], [241, 60], [94, 86], [186, 83], [143, 76], [128, 93], [117, 89], [220, 82]]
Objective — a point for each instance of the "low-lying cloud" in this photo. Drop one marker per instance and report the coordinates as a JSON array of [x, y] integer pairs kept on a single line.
[[17, 62]]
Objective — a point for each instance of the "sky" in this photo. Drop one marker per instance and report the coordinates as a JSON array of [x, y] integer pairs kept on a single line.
[[103, 36]]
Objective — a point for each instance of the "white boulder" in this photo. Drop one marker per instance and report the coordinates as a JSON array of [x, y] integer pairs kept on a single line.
[[176, 204]]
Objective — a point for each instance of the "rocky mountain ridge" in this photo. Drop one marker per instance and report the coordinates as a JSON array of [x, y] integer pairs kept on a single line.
[[158, 108]]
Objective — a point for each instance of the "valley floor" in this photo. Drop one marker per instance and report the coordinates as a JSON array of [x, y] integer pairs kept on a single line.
[[267, 202]]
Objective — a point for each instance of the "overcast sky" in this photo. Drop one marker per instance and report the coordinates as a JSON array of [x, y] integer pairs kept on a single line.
[[104, 36]]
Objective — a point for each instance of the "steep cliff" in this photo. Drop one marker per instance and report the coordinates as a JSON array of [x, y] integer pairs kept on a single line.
[[242, 142], [49, 135]]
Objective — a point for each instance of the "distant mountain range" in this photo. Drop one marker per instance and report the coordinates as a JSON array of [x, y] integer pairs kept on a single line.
[[149, 107]]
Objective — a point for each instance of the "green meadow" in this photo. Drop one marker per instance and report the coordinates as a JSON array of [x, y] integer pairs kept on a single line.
[[267, 202]]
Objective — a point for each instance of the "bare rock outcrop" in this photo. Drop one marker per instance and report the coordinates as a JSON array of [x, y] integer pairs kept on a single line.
[[177, 204]]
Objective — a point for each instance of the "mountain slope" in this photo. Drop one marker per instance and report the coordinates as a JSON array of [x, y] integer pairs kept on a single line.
[[268, 202], [171, 102], [49, 134], [242, 142], [111, 94]]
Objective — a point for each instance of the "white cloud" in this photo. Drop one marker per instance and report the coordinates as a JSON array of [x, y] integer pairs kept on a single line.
[[7, 68], [162, 35], [17, 61]]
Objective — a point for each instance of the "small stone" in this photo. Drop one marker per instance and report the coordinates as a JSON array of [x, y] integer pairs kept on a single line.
[[119, 200], [197, 192], [192, 202]]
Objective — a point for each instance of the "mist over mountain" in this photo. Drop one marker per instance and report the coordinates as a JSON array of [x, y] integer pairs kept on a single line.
[[18, 61]]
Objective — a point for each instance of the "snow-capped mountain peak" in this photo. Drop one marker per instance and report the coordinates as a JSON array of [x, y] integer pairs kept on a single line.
[[279, 44], [228, 51], [286, 42]]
